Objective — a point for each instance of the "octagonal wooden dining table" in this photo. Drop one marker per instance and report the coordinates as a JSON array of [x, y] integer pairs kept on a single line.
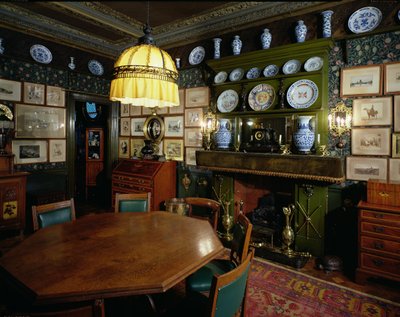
[[109, 255]]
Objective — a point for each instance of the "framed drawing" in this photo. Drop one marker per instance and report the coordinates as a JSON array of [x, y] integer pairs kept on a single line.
[[136, 147], [135, 111], [370, 141], [190, 155], [10, 90], [125, 125], [361, 81], [29, 151], [372, 111], [173, 149], [55, 96], [39, 122], [123, 147], [193, 137], [179, 109], [363, 168], [394, 170], [396, 145], [193, 117], [137, 126], [34, 93], [57, 150], [392, 78], [124, 110], [173, 126], [197, 97], [396, 114]]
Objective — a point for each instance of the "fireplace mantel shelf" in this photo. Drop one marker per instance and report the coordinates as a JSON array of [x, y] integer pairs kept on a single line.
[[303, 167]]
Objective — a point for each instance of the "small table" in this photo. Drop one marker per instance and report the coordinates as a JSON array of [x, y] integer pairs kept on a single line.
[[109, 255]]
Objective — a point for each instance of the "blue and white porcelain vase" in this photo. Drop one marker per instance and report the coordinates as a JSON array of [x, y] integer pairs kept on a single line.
[[236, 45], [217, 47], [266, 39], [326, 23], [304, 136], [223, 136], [300, 31]]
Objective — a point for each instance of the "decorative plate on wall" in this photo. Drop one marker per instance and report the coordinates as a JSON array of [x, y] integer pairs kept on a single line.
[[95, 67], [227, 100], [220, 77], [253, 73], [313, 64], [196, 56], [236, 74], [364, 20], [41, 54], [270, 70], [302, 94], [291, 67], [261, 97]]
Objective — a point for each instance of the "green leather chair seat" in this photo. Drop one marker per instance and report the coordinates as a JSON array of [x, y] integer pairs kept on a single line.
[[54, 217], [133, 206]]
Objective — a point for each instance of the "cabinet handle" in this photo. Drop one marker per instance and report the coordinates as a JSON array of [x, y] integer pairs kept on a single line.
[[383, 194], [378, 262], [378, 245], [379, 229], [380, 216]]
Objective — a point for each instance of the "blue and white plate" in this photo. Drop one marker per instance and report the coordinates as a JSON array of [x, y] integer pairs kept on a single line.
[[313, 64], [220, 77], [270, 70], [95, 67], [302, 94], [196, 56], [227, 100], [253, 73], [41, 54], [261, 97], [291, 67], [364, 20], [236, 74]]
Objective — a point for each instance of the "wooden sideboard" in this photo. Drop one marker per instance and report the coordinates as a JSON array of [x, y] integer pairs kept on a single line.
[[379, 241], [132, 176]]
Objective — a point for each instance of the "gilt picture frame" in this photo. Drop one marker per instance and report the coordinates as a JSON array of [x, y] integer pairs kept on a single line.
[[372, 111], [173, 149], [123, 147], [370, 141], [363, 80], [124, 110], [363, 168], [193, 117], [396, 145], [10, 90], [34, 93], [190, 155], [193, 137], [55, 96], [125, 126], [29, 151], [197, 97], [394, 170], [173, 126], [57, 150], [137, 125], [396, 113], [136, 146], [392, 78]]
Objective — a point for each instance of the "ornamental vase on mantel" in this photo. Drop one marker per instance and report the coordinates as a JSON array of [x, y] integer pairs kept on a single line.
[[304, 136], [326, 23], [300, 31], [266, 39], [223, 136], [236, 45], [217, 47]]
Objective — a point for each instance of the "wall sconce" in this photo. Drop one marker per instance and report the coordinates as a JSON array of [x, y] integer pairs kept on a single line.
[[339, 120], [208, 128]]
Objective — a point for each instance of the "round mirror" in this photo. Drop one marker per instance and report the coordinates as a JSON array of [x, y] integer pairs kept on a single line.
[[153, 128]]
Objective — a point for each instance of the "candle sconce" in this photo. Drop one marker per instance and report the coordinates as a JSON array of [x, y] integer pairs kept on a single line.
[[208, 128], [339, 120]]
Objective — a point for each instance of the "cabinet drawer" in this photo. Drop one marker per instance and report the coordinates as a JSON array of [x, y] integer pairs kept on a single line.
[[381, 264], [380, 245], [379, 216], [133, 180], [380, 229]]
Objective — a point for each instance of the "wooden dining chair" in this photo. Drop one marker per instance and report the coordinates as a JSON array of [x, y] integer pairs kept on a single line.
[[204, 208], [53, 213], [200, 281], [132, 202]]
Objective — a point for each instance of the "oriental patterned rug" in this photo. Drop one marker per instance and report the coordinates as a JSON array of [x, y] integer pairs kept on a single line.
[[278, 291]]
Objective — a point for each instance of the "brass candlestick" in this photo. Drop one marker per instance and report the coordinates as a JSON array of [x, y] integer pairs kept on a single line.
[[288, 233], [227, 222]]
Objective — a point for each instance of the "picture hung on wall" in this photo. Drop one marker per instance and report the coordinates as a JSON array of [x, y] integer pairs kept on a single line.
[[55, 96], [57, 151], [179, 109], [396, 145], [137, 126], [136, 147], [124, 110], [39, 122], [197, 97], [173, 149], [123, 148], [372, 111], [94, 144], [173, 126], [193, 117], [135, 111], [190, 155], [363, 168], [125, 125], [396, 114], [361, 81], [193, 137], [34, 93], [370, 141], [392, 78], [394, 170], [29, 151], [10, 90]]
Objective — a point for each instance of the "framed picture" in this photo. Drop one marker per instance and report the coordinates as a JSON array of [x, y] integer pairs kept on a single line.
[[137, 125], [193, 117], [124, 110], [55, 96], [135, 111], [370, 141], [180, 108], [392, 78], [372, 111], [57, 150], [394, 170], [363, 168], [361, 81], [154, 128], [136, 147], [190, 155], [10, 90], [29, 151], [396, 145], [173, 149], [34, 93], [193, 137], [173, 126], [147, 111], [94, 144], [123, 148], [197, 97], [125, 125], [396, 114], [39, 122]]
